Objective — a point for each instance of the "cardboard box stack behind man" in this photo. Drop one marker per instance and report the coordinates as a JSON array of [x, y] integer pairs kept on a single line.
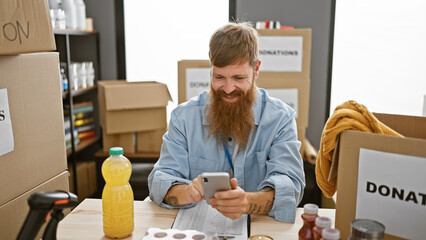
[[284, 71], [32, 143]]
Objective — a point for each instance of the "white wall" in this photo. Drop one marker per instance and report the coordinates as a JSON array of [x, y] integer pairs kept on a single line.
[[379, 55], [160, 33]]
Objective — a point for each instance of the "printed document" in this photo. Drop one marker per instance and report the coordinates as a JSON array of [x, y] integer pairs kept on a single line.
[[206, 219]]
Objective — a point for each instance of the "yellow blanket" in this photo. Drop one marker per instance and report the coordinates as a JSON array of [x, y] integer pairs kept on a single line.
[[348, 116]]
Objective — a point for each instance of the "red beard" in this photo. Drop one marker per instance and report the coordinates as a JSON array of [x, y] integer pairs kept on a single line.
[[234, 119]]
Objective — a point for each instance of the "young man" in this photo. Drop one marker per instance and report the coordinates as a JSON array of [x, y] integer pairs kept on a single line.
[[235, 117]]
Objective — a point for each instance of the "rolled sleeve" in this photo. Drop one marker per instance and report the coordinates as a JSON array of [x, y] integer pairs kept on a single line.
[[172, 168], [284, 206], [285, 172]]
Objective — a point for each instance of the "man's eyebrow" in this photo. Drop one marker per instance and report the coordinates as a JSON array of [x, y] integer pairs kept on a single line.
[[240, 75]]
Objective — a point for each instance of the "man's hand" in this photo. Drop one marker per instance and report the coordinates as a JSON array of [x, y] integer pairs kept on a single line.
[[236, 202], [185, 193], [232, 203]]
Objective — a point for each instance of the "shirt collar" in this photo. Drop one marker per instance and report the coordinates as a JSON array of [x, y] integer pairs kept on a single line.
[[256, 108]]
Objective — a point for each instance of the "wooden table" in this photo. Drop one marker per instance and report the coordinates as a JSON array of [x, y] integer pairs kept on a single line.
[[85, 221]]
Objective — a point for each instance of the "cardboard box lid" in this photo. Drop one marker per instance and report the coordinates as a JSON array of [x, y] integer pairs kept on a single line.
[[25, 27], [122, 95], [306, 34]]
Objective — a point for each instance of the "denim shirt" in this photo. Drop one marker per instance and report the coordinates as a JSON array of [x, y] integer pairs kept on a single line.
[[271, 157]]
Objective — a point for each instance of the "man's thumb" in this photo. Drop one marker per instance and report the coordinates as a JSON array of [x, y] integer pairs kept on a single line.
[[234, 183]]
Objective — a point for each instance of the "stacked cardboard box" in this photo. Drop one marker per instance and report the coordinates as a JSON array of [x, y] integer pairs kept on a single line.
[[130, 111], [284, 71], [32, 142]]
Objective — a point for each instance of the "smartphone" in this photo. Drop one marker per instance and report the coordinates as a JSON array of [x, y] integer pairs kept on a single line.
[[214, 182]]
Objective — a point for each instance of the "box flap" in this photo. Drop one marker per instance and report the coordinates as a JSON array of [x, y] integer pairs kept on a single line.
[[409, 126], [121, 95]]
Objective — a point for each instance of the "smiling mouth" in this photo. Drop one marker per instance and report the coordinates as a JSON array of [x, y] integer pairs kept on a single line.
[[230, 98]]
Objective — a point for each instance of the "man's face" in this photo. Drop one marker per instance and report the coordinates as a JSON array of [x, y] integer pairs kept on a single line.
[[234, 78], [232, 95]]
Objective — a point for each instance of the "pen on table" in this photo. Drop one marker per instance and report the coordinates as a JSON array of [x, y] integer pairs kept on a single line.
[[225, 237]]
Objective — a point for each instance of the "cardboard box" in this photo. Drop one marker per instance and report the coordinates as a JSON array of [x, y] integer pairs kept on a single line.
[[132, 106], [37, 124], [290, 84], [86, 179], [25, 27], [125, 140], [15, 211], [193, 78], [347, 155], [294, 92], [150, 141], [285, 53]]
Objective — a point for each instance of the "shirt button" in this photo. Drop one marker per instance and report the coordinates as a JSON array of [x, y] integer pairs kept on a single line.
[[229, 139]]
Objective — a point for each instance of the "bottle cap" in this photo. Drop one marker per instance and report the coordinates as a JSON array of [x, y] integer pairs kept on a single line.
[[368, 229], [116, 151], [323, 222], [310, 208], [330, 234]]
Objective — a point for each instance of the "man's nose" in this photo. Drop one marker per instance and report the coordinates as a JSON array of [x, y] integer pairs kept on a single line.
[[229, 86]]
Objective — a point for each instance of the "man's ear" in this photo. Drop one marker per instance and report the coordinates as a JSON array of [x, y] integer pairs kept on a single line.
[[256, 69]]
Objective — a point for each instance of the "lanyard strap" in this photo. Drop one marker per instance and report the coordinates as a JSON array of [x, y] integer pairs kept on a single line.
[[228, 157]]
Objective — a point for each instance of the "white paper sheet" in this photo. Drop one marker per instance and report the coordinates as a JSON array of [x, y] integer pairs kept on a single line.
[[197, 80], [281, 53], [392, 190], [206, 219], [287, 95], [6, 132]]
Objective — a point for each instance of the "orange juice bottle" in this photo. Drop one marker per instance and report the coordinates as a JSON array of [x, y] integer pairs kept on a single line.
[[117, 196]]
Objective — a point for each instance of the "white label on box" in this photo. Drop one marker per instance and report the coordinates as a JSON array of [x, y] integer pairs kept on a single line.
[[197, 80], [6, 132], [281, 53], [392, 191], [287, 95]]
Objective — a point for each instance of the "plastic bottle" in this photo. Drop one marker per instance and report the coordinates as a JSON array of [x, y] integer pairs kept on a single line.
[[64, 80], [80, 9], [320, 224], [330, 234], [117, 196], [70, 13], [309, 216]]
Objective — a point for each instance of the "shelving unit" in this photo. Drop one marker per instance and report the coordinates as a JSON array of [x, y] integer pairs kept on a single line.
[[80, 46]]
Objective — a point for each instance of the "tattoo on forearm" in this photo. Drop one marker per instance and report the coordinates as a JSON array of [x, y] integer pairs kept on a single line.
[[268, 206], [249, 211], [259, 210], [172, 200]]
